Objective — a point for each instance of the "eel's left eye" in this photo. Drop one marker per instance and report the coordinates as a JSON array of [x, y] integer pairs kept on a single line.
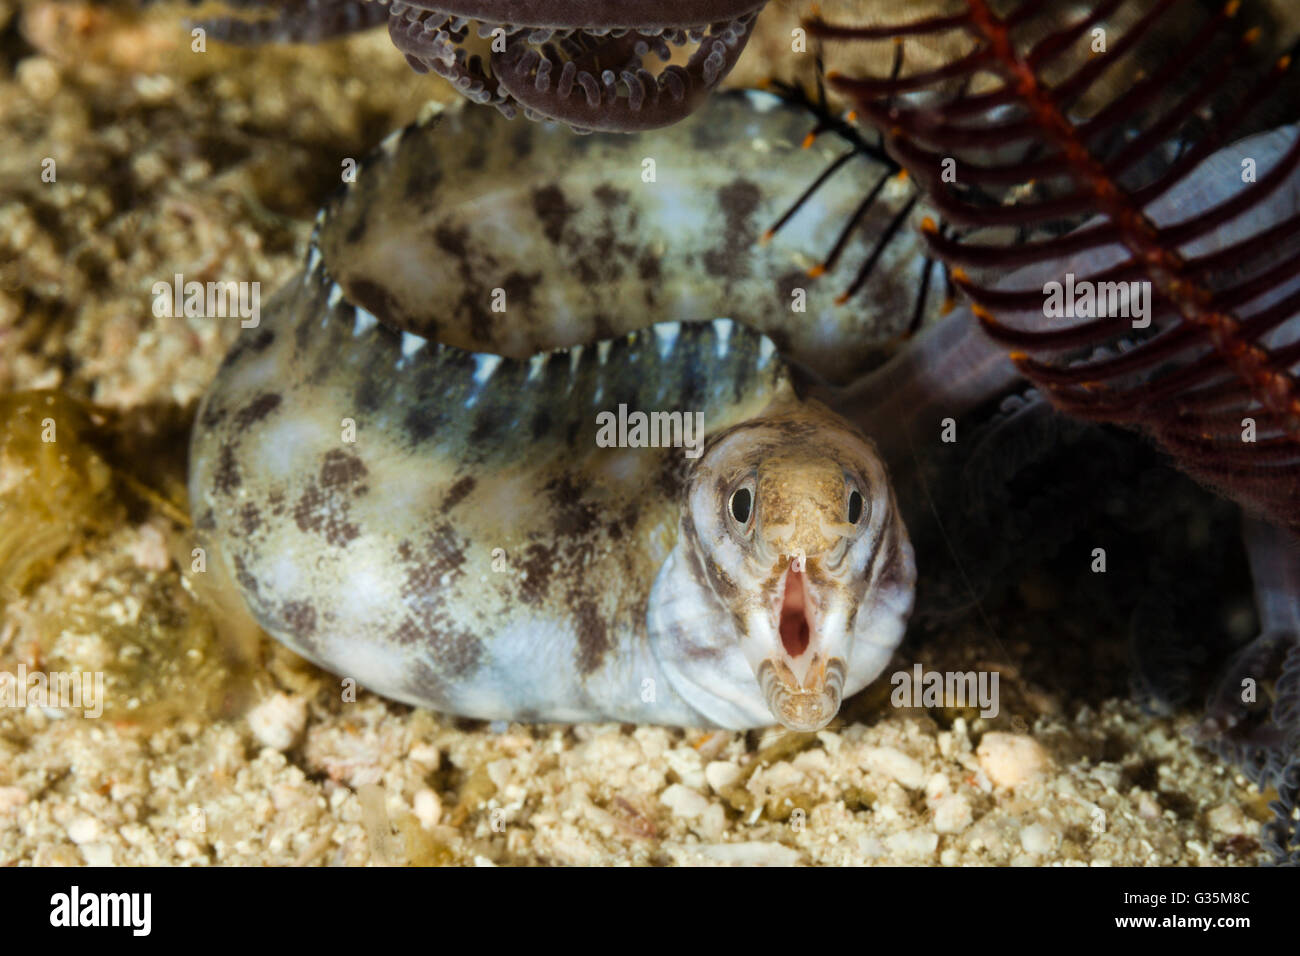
[[855, 506], [742, 502]]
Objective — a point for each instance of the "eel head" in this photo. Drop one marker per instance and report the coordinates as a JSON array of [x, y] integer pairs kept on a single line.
[[794, 574]]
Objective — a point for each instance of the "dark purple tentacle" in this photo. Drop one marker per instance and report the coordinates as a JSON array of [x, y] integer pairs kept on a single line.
[[590, 65]]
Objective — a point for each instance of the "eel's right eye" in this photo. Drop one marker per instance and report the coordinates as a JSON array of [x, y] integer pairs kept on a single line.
[[855, 506], [741, 505]]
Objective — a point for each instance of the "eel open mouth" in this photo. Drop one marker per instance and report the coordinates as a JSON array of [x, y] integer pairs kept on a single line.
[[592, 73], [795, 632], [808, 704]]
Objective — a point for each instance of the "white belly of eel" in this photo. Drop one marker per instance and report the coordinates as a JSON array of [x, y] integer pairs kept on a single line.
[[403, 467]]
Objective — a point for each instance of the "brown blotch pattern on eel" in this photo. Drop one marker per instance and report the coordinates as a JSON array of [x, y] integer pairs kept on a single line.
[[453, 501]]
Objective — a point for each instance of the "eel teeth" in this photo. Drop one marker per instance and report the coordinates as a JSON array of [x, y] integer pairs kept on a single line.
[[313, 264], [485, 364], [722, 328], [364, 322], [666, 333], [412, 343]]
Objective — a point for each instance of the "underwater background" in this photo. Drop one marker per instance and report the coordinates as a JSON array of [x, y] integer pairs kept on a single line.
[[219, 746]]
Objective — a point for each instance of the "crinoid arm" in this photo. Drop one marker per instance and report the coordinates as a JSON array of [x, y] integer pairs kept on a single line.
[[1034, 143]]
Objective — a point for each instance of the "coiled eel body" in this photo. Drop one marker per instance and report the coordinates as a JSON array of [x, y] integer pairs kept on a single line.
[[407, 466]]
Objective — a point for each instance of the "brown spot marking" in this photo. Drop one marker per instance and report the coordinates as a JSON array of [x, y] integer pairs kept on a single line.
[[554, 211], [454, 242], [341, 470], [456, 652], [226, 477], [458, 492], [691, 550], [276, 500], [725, 588], [738, 202], [480, 319], [299, 618], [539, 564], [256, 410], [541, 423], [207, 521], [626, 520], [443, 555], [244, 344], [262, 341], [891, 573], [250, 517], [459, 652], [375, 299], [355, 231], [647, 268], [317, 513], [609, 197], [422, 181], [519, 287], [795, 429], [521, 140], [671, 477], [421, 423], [243, 577], [212, 416], [425, 682], [574, 516], [593, 637]]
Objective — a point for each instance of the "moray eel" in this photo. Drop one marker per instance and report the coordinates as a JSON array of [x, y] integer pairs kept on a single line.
[[525, 439]]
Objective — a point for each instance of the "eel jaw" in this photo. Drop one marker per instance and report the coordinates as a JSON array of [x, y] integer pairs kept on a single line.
[[800, 668]]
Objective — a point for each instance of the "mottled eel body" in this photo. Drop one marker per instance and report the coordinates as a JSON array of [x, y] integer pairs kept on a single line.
[[413, 489]]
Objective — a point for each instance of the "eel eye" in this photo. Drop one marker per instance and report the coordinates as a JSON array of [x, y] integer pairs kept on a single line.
[[741, 505], [855, 506]]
